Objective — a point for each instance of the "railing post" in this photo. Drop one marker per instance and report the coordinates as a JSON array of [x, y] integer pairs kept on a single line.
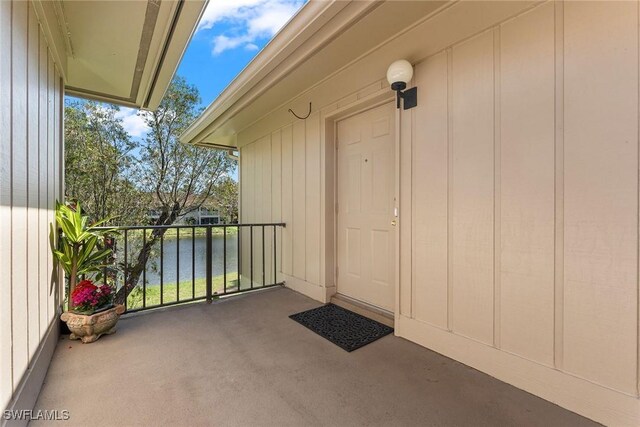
[[209, 265], [144, 270], [275, 256], [251, 250], [239, 257], [126, 268], [264, 276], [224, 257]]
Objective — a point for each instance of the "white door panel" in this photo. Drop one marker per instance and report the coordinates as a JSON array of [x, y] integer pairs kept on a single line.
[[366, 236]]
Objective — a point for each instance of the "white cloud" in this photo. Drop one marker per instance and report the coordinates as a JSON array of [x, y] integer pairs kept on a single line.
[[219, 10], [246, 21], [222, 43], [133, 122]]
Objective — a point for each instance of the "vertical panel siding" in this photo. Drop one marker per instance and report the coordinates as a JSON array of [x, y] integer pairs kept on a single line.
[[299, 200], [429, 160], [405, 303], [312, 184], [33, 136], [599, 301], [58, 162], [43, 186], [527, 185], [256, 205], [281, 181], [601, 192], [265, 204], [258, 193], [19, 126], [472, 204], [30, 182], [242, 208], [276, 194], [248, 212], [52, 142], [6, 371], [516, 121], [287, 200]]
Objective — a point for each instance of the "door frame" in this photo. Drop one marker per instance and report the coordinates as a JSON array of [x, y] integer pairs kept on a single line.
[[330, 129]]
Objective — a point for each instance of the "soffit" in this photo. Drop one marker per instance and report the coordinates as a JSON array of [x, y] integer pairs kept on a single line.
[[124, 52]]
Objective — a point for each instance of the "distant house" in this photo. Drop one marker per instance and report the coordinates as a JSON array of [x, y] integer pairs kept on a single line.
[[200, 216], [205, 216]]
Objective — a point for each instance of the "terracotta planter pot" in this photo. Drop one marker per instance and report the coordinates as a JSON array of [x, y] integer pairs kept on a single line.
[[89, 328]]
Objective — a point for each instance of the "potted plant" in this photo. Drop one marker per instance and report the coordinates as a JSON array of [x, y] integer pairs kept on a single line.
[[81, 253]]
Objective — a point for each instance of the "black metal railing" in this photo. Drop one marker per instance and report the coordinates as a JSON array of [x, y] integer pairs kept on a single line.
[[147, 272]]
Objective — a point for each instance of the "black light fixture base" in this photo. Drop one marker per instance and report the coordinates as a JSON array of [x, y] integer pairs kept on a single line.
[[410, 97], [398, 86]]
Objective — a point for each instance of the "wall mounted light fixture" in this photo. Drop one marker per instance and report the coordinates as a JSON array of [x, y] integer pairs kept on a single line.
[[399, 75]]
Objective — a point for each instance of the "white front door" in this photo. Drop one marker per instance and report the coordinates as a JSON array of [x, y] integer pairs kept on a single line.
[[366, 206]]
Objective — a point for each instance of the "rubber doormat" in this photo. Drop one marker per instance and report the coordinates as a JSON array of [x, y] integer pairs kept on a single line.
[[344, 328]]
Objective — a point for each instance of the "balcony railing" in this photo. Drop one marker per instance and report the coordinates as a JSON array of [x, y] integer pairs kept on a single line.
[[157, 266]]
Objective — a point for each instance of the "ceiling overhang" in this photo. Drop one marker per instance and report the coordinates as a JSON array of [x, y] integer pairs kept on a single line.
[[123, 52]]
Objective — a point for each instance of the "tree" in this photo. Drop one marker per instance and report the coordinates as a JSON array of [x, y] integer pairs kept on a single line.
[[180, 177], [227, 200], [99, 160]]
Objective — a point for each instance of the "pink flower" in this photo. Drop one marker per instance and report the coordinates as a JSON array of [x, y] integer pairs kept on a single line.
[[87, 297]]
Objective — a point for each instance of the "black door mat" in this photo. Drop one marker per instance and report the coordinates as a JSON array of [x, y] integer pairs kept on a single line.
[[344, 328]]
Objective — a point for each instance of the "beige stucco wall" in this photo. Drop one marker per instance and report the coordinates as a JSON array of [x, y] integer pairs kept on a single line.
[[30, 182], [518, 196]]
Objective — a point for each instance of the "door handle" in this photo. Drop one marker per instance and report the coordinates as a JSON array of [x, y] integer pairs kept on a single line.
[[393, 222]]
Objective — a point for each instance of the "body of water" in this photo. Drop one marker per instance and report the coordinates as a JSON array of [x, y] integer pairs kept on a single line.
[[189, 249]]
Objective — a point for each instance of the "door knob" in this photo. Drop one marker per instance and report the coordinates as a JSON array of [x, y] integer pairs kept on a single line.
[[393, 222]]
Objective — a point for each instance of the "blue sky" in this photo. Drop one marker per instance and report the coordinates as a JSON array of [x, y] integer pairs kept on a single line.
[[230, 34]]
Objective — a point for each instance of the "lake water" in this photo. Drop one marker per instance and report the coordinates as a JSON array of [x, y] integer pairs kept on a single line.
[[199, 250]]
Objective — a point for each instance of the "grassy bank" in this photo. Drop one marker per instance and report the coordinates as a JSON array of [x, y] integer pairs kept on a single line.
[[170, 291], [185, 233], [199, 232]]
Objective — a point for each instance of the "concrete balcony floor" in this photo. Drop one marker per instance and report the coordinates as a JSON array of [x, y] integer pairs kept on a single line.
[[242, 361]]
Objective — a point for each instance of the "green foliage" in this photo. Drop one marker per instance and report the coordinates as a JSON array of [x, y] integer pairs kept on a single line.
[[79, 250], [226, 192], [101, 164], [124, 178], [181, 177]]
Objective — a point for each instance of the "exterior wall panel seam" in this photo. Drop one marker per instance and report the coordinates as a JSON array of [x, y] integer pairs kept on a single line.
[[9, 187], [638, 211], [559, 186], [497, 200], [449, 189]]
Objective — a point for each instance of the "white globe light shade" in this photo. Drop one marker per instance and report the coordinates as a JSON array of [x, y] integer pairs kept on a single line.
[[400, 71]]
